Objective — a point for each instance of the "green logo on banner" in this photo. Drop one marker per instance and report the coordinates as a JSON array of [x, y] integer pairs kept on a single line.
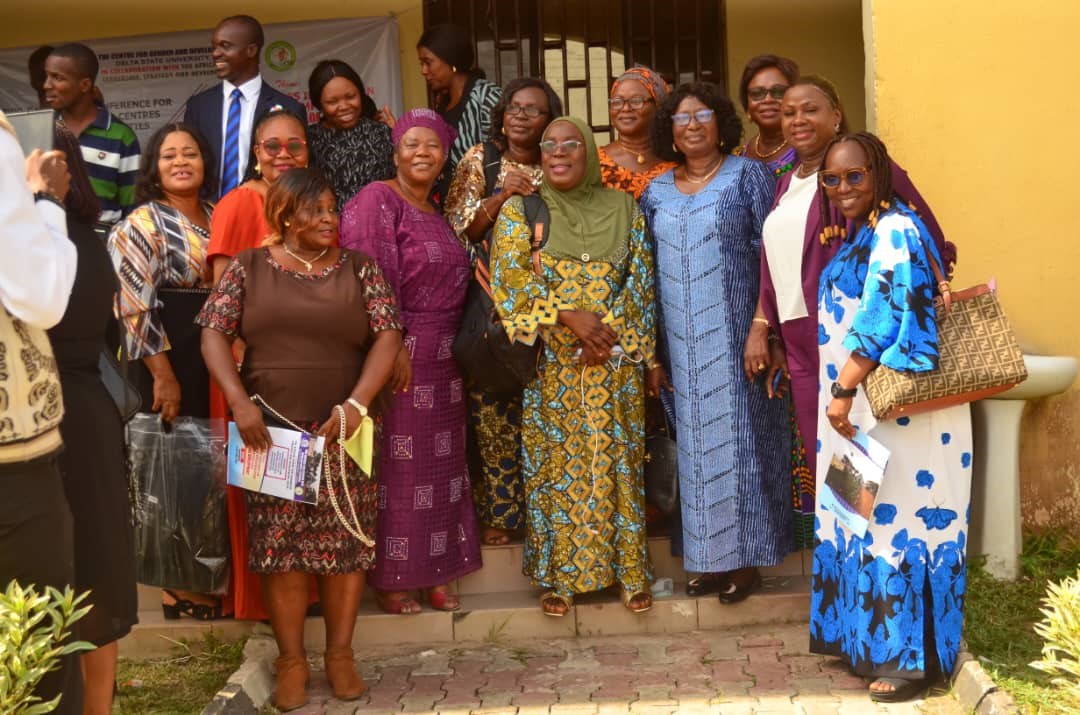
[[280, 55]]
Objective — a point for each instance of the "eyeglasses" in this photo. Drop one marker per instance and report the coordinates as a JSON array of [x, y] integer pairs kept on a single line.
[[854, 177], [636, 102], [273, 147], [703, 116], [550, 146], [529, 110], [776, 92]]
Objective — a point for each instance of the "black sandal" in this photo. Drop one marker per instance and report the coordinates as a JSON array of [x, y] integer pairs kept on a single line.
[[903, 689], [706, 584], [182, 606]]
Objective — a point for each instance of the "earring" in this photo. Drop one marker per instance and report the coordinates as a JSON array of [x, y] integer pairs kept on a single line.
[[288, 223], [836, 128], [504, 131], [454, 68], [674, 148], [258, 170]]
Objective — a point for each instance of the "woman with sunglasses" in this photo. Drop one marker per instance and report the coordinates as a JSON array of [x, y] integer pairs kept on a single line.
[[588, 294], [799, 238], [506, 165], [764, 81], [705, 217], [888, 601], [629, 163], [278, 145]]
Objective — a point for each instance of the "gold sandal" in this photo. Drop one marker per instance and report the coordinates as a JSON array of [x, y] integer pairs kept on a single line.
[[628, 596], [567, 601]]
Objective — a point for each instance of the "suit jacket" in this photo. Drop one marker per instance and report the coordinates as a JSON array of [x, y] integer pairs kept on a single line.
[[204, 111]]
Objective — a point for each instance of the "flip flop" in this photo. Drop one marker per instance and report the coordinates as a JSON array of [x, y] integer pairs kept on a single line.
[[904, 690]]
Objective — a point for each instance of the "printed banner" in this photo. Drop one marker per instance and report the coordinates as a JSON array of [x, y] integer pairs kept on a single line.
[[147, 79]]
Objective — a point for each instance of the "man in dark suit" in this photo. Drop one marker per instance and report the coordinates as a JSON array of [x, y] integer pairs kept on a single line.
[[226, 112]]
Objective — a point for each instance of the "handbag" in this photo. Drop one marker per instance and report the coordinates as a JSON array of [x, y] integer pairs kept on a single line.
[[978, 357], [662, 463], [489, 360], [114, 377]]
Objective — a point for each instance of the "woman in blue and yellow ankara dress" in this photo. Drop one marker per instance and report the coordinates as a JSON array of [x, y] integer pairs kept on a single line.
[[588, 294]]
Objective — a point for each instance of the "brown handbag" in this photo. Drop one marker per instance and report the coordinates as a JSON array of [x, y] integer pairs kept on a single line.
[[978, 357]]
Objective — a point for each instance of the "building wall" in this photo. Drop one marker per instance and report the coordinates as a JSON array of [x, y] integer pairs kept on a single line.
[[53, 21], [973, 99], [825, 37]]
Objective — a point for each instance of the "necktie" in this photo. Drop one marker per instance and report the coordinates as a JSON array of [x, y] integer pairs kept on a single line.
[[230, 166]]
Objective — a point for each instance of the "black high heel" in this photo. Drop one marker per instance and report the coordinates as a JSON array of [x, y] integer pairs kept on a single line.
[[184, 607]]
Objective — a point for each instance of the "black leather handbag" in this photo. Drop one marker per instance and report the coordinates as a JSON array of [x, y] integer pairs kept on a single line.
[[662, 463], [124, 395], [488, 359]]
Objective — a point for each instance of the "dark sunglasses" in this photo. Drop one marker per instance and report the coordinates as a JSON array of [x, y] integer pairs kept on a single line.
[[636, 102], [273, 147], [759, 93], [703, 116], [529, 110], [854, 177], [550, 146]]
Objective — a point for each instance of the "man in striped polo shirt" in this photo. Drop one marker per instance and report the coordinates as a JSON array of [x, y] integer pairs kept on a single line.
[[109, 147]]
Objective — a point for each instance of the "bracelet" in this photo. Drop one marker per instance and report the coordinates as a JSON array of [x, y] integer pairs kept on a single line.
[[773, 336], [359, 408], [483, 207], [654, 364], [765, 321], [48, 196]]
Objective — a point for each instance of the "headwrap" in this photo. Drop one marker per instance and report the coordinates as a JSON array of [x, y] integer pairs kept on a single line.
[[427, 118], [658, 88], [587, 219]]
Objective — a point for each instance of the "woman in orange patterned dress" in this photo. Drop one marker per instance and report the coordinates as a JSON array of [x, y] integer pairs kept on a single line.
[[629, 163]]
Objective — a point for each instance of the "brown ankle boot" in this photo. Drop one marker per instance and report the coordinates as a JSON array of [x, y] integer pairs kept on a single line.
[[290, 682], [341, 672]]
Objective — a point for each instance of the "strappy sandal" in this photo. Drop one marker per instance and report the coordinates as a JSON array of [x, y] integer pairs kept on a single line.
[[398, 603], [441, 599], [629, 596], [903, 690], [182, 606], [549, 597]]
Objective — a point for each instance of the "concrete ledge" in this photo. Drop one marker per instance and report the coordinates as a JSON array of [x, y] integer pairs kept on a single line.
[[976, 690], [251, 685]]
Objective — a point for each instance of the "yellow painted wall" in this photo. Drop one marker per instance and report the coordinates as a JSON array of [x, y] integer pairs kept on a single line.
[[53, 21], [823, 36], [975, 99]]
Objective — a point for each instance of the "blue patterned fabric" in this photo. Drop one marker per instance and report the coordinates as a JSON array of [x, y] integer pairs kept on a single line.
[[870, 594], [230, 171], [734, 443]]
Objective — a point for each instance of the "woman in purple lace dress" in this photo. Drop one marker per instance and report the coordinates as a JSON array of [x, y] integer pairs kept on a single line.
[[426, 535]]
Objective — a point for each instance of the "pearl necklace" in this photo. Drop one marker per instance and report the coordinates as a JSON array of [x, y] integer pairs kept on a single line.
[[705, 178], [307, 264], [640, 156], [774, 152]]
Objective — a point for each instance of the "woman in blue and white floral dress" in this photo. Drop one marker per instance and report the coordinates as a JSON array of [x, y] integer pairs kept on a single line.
[[890, 603]]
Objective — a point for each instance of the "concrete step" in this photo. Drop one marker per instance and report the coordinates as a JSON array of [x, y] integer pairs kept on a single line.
[[508, 615]]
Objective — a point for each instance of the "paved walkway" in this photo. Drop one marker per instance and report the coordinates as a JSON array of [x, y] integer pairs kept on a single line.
[[760, 670]]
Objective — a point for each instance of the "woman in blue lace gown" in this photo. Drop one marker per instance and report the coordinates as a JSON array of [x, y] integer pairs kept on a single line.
[[889, 602]]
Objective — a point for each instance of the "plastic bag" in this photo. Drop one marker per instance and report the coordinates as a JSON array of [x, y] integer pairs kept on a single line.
[[182, 530]]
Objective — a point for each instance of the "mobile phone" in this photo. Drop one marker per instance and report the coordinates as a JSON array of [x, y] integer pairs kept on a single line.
[[776, 380]]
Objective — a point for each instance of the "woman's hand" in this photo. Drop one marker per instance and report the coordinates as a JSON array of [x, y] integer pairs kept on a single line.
[[656, 379], [331, 429], [401, 377], [166, 397], [249, 421], [837, 414], [590, 357], [593, 333], [517, 182], [385, 116], [756, 357], [777, 365]]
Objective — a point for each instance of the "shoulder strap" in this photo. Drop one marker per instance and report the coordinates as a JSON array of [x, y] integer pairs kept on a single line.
[[492, 162], [539, 218]]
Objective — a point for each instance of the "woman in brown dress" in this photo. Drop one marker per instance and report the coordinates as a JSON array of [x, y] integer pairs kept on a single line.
[[321, 327], [629, 163]]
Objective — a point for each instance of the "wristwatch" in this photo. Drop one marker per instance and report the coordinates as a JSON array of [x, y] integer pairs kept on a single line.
[[839, 390]]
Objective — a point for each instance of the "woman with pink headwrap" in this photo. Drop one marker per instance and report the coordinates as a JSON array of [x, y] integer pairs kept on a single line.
[[426, 532], [629, 162]]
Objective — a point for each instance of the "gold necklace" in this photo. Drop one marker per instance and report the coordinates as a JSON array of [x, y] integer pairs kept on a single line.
[[774, 152], [640, 156], [702, 180], [307, 264], [806, 175]]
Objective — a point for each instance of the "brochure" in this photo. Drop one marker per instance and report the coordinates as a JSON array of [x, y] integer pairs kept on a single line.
[[291, 469], [853, 480]]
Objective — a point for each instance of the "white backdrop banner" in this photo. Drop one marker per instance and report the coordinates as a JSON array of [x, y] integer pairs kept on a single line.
[[147, 79]]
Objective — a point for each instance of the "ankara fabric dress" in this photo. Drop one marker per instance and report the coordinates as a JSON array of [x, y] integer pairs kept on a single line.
[[869, 594], [733, 441], [582, 428], [426, 532]]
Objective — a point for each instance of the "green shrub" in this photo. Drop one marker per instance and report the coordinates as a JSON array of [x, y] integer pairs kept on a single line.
[[32, 628], [1060, 631]]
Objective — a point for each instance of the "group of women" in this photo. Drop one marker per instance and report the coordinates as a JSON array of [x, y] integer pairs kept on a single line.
[[677, 263]]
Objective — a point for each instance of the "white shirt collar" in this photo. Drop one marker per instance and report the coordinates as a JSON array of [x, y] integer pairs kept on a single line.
[[249, 89]]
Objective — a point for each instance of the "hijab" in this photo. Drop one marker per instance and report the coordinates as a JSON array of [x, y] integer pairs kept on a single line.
[[588, 219]]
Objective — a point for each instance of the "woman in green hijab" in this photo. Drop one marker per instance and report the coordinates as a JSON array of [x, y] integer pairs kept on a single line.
[[588, 295]]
